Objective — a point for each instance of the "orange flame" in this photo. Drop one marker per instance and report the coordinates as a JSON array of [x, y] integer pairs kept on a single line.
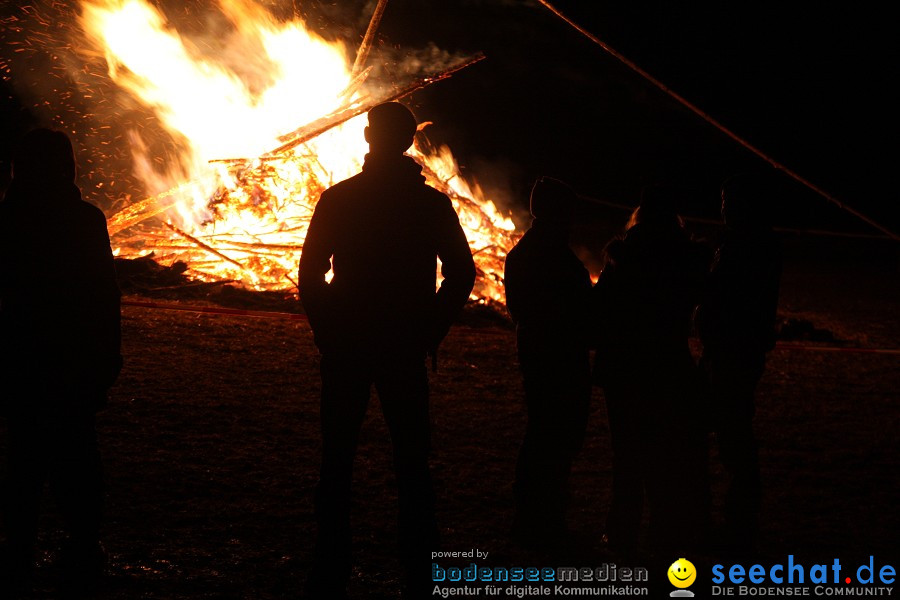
[[246, 220]]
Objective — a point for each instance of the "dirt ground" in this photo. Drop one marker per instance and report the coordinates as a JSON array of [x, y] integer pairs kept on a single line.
[[211, 452]]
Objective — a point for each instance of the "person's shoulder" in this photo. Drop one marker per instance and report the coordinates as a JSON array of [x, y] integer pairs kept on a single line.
[[435, 203], [433, 195], [346, 186], [338, 196], [89, 212], [518, 258], [531, 248], [519, 248], [89, 208]]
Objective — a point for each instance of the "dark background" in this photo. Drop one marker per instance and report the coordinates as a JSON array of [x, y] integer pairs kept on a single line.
[[806, 83]]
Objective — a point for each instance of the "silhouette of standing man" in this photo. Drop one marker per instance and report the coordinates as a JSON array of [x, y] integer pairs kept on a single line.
[[60, 344], [547, 295], [381, 232], [736, 322]]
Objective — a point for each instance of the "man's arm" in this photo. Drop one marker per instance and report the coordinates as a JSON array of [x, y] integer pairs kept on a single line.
[[315, 262], [515, 282], [457, 269], [102, 298]]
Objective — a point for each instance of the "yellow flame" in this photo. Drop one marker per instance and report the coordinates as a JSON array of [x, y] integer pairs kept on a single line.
[[247, 221]]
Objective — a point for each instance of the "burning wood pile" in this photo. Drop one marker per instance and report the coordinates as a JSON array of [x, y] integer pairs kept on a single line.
[[244, 218]]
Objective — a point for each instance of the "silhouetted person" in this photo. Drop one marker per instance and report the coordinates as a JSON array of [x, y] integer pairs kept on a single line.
[[643, 302], [736, 323], [59, 353], [382, 232], [547, 295]]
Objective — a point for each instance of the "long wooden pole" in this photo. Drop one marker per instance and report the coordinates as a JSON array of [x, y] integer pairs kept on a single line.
[[363, 53], [706, 117], [319, 127]]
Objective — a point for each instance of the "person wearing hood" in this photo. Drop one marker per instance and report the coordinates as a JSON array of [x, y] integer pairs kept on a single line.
[[381, 233], [547, 295], [60, 340]]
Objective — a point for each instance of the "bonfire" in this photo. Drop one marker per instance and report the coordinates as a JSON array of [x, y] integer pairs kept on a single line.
[[259, 120], [239, 205]]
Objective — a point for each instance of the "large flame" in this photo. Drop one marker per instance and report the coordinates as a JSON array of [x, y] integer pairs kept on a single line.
[[245, 220]]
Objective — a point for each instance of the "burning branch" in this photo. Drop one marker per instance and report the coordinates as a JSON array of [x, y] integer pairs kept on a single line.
[[355, 83], [317, 128], [205, 246], [363, 53], [262, 246], [337, 117], [442, 185], [144, 209]]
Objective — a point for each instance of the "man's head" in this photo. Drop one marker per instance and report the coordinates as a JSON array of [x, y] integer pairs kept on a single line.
[[44, 156], [391, 128], [552, 201], [746, 201]]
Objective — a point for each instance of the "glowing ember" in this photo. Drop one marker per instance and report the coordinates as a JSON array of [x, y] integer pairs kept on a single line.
[[245, 219]]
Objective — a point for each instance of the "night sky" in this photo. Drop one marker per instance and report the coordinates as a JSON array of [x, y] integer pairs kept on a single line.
[[804, 82], [807, 83]]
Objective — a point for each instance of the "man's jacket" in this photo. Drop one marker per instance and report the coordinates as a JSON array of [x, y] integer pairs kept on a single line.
[[382, 232]]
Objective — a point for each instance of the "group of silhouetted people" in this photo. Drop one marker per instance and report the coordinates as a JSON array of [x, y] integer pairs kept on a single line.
[[381, 234], [657, 287]]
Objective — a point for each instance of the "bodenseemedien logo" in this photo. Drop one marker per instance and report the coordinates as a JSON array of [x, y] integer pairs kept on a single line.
[[682, 574]]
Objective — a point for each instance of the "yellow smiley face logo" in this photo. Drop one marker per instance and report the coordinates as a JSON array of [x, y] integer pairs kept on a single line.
[[682, 573]]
